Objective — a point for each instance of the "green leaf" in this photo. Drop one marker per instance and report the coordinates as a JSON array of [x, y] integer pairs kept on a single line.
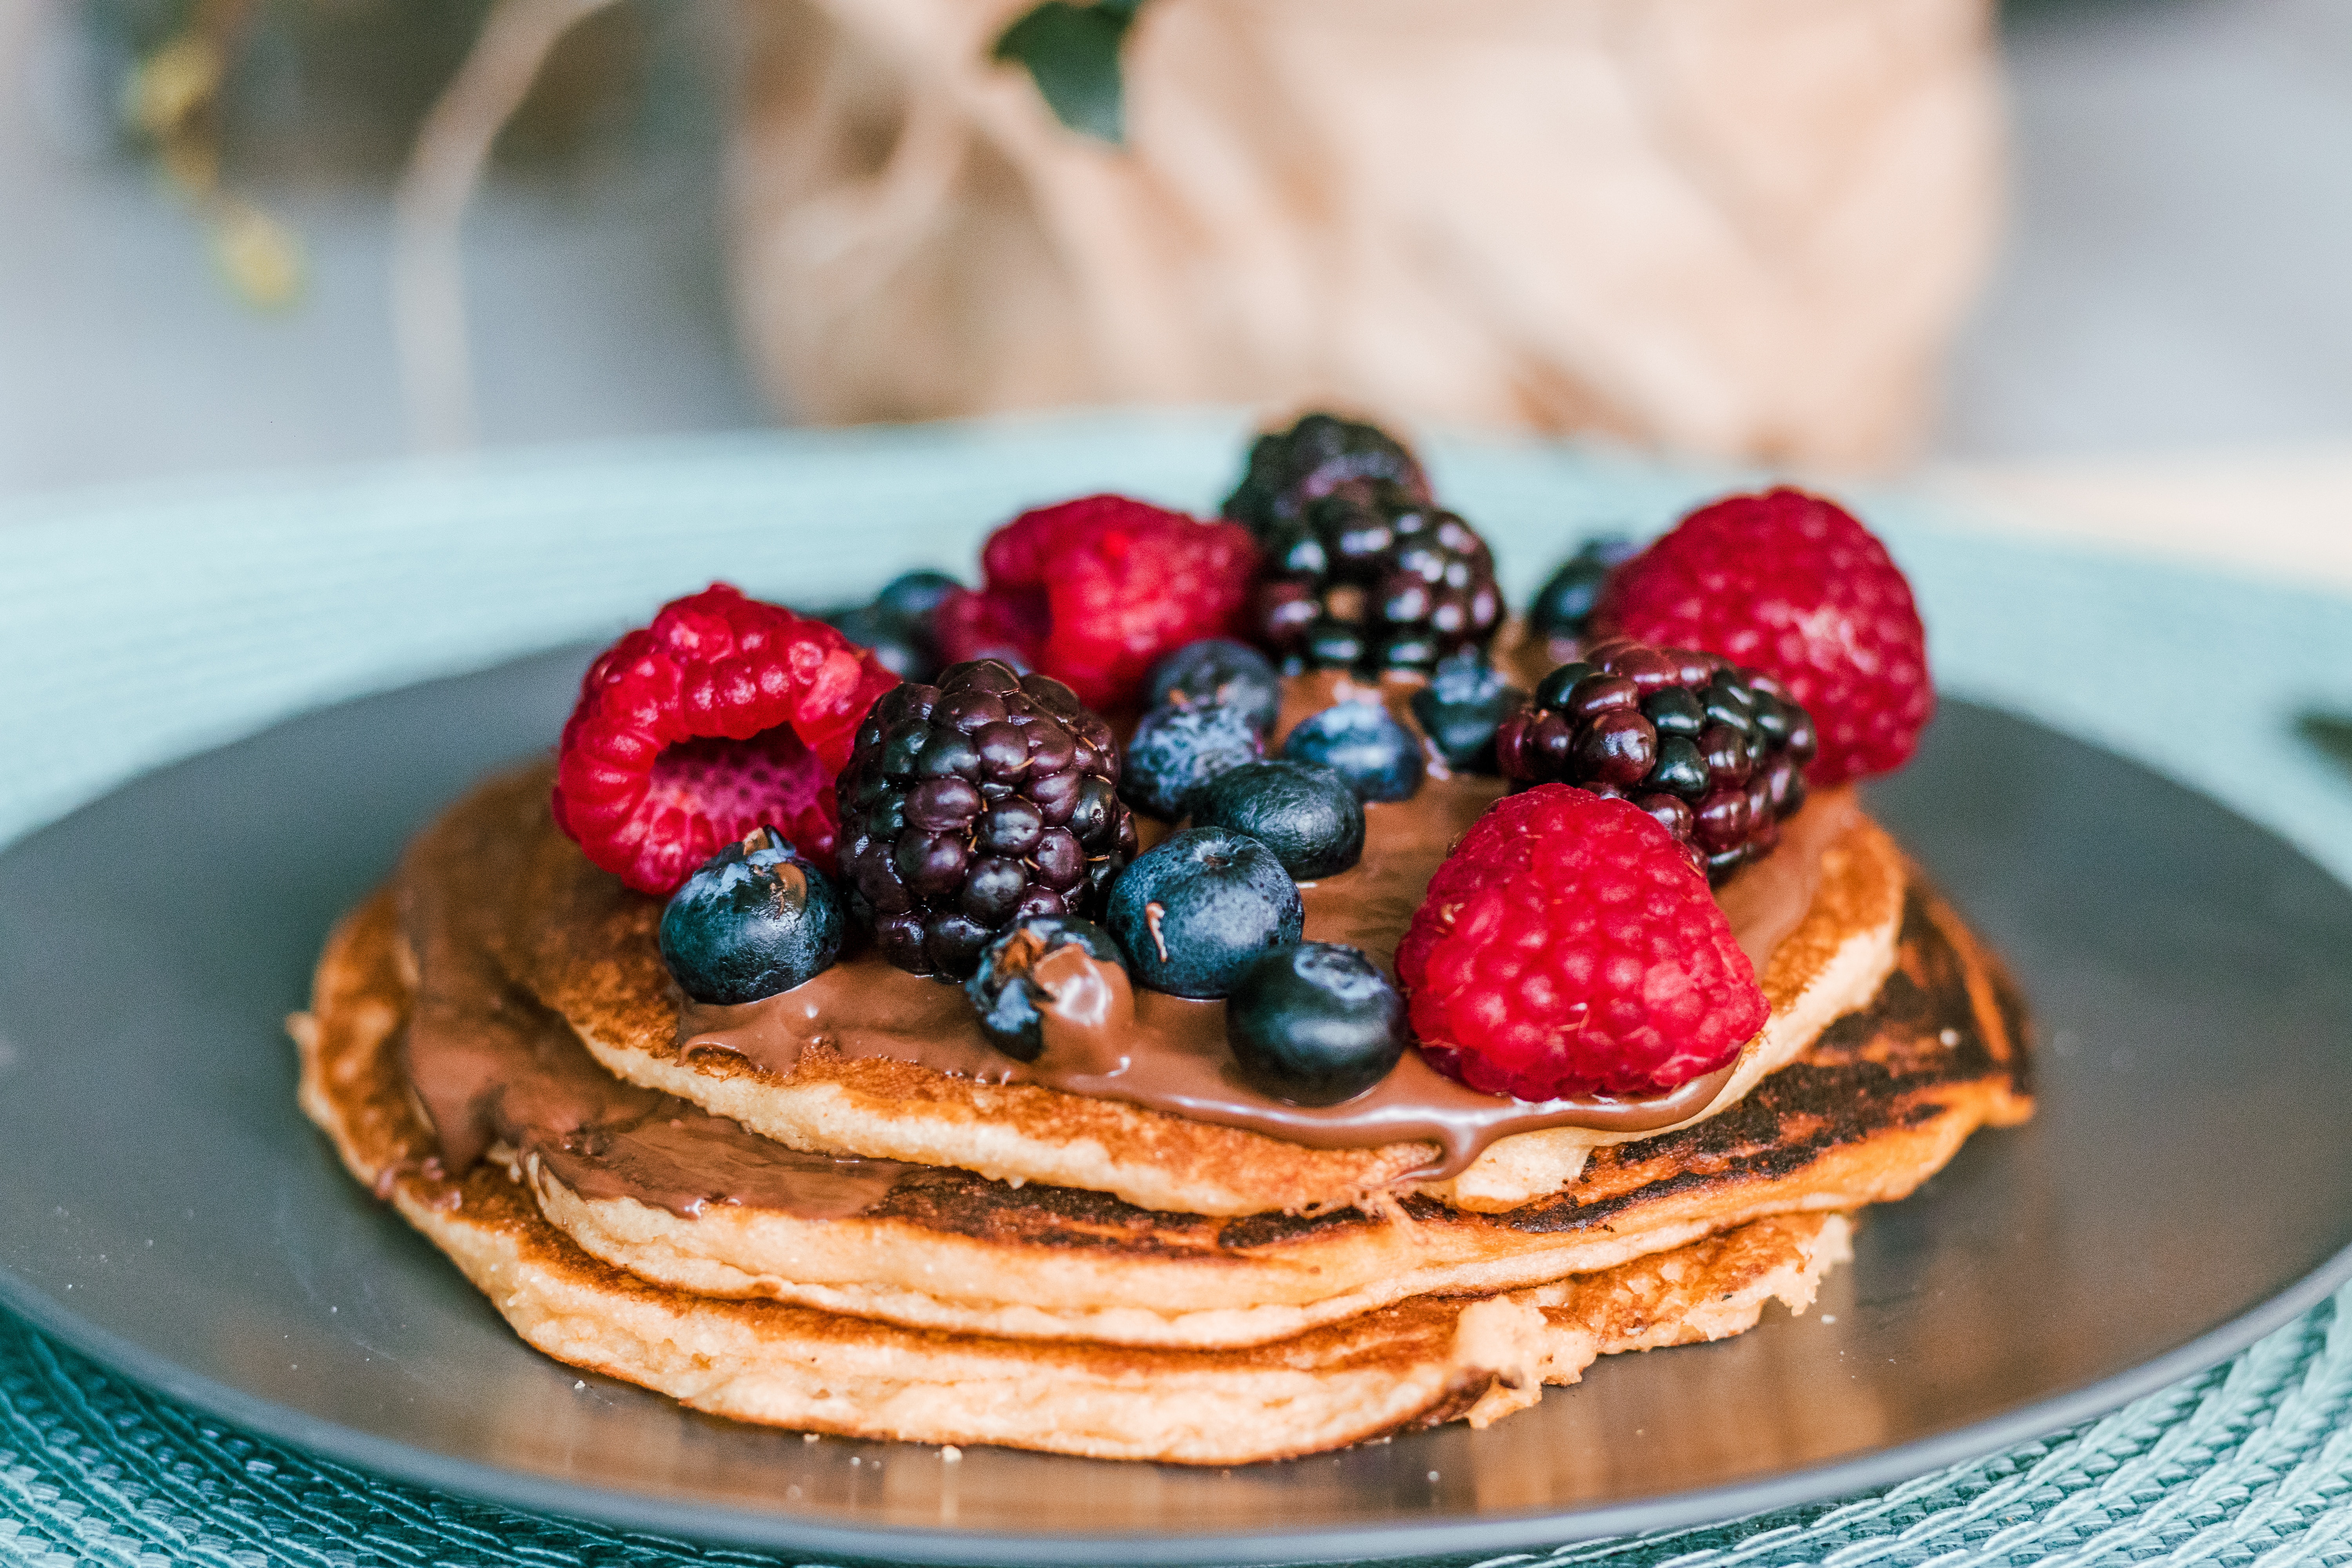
[[1072, 54]]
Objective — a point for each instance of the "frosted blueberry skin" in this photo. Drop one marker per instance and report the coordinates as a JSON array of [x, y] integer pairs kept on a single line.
[[1010, 1002], [895, 643], [1306, 813], [1176, 750], [1564, 604], [913, 595], [1378, 756], [1465, 701], [1196, 909], [754, 919], [1315, 1023], [1219, 670]]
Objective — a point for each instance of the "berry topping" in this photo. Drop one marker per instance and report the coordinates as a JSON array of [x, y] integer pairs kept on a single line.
[[971, 805], [1010, 989], [1460, 707], [1199, 906], [1795, 586], [1564, 604], [722, 715], [897, 625], [1568, 948], [1315, 1023], [1095, 592], [1717, 754], [1374, 577], [1378, 756], [914, 596], [1175, 751], [756, 919], [1217, 669], [895, 645], [1306, 813], [1289, 468]]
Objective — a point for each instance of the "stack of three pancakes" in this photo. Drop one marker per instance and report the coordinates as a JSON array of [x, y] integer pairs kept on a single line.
[[811, 1227]]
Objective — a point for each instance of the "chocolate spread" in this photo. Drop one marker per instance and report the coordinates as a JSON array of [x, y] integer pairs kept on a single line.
[[493, 1066], [1167, 1053], [490, 1065]]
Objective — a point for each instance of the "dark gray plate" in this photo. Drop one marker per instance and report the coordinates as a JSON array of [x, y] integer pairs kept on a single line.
[[2186, 1187]]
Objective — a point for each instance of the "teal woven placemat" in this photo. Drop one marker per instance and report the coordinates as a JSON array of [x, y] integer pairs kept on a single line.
[[138, 626]]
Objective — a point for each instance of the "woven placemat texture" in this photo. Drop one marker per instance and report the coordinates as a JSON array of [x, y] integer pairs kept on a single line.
[[139, 626]]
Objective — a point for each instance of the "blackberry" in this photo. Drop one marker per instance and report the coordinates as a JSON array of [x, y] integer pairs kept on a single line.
[[1363, 571], [1372, 577], [1715, 753], [970, 806], [1292, 468]]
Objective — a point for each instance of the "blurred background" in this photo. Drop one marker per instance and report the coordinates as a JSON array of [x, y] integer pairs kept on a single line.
[[1847, 235]]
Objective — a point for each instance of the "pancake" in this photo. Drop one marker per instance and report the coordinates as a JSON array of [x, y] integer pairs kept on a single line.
[[576, 942], [1414, 1364], [1877, 1101]]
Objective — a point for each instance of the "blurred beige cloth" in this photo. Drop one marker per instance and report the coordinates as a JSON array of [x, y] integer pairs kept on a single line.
[[1725, 227]]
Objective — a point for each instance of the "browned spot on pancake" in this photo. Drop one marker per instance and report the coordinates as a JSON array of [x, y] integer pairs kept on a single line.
[[1941, 1044]]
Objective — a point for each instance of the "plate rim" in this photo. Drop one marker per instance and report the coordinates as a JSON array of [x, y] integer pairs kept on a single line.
[[155, 1374], [411, 1464]]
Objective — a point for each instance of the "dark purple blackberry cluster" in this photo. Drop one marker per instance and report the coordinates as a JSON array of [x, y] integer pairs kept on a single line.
[[1373, 579], [1715, 753], [1290, 469], [1362, 570], [974, 804]]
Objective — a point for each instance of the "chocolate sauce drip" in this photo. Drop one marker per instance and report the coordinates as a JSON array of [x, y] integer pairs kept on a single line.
[[1168, 1053], [492, 1066]]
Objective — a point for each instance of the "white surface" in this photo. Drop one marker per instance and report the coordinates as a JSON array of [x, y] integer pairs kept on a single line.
[[2176, 275]]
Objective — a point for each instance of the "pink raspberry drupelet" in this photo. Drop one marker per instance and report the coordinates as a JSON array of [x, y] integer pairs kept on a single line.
[[724, 715], [1568, 947], [1095, 592], [1794, 585]]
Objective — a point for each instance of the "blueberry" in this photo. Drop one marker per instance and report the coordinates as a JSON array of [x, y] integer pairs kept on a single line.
[[1378, 756], [1215, 670], [913, 595], [1177, 749], [1563, 605], [1304, 812], [1315, 1023], [1004, 990], [1460, 707], [893, 641], [1195, 911], [754, 919]]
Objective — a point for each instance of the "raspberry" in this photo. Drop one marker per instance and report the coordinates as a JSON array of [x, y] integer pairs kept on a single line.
[[1715, 753], [1795, 586], [971, 805], [1095, 592], [1567, 947], [724, 715]]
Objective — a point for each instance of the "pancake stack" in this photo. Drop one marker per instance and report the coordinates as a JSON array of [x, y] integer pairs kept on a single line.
[[850, 1242]]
